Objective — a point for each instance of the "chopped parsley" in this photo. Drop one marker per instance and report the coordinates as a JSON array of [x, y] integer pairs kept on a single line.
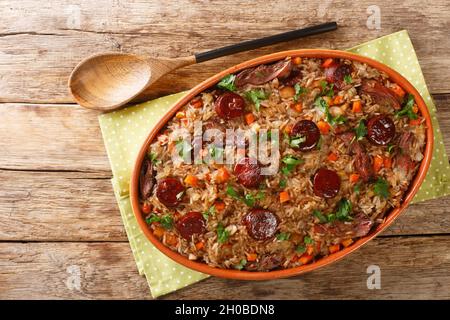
[[308, 240], [182, 147], [327, 89], [348, 79], [320, 216], [344, 209], [222, 234], [283, 236], [299, 90], [360, 130], [241, 264], [249, 199], [152, 156], [300, 249], [391, 148], [381, 188], [227, 83], [290, 163], [166, 221], [215, 151], [322, 105], [256, 96], [210, 212], [408, 109], [282, 183], [356, 188], [294, 142]]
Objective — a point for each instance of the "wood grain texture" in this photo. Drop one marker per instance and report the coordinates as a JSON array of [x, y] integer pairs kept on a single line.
[[411, 268], [73, 206], [39, 46], [68, 137]]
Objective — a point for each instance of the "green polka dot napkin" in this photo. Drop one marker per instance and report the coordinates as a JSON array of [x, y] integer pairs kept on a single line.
[[124, 131]]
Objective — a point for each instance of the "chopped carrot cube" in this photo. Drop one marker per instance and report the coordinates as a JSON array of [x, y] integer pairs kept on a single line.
[[192, 181], [297, 60], [354, 177], [398, 90], [297, 107], [332, 156], [222, 175], [284, 196], [158, 232], [251, 257], [146, 208], [387, 162], [249, 118], [328, 62], [377, 163], [197, 102], [219, 205], [288, 128], [347, 242], [305, 258], [415, 122], [415, 109], [334, 248], [199, 245], [338, 100], [356, 106], [323, 127], [171, 239]]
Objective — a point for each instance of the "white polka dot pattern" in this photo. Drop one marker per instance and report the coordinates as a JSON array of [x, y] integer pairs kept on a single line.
[[124, 131]]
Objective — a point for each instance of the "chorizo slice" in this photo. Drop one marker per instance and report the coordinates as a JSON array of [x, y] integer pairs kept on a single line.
[[309, 130], [380, 130], [326, 183], [248, 172], [169, 191], [336, 73], [261, 224], [229, 105], [190, 224]]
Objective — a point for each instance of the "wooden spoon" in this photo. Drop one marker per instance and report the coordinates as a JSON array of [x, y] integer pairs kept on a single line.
[[108, 81]]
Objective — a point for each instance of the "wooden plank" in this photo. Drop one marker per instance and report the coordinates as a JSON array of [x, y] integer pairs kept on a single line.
[[411, 268], [71, 206], [40, 45], [67, 137]]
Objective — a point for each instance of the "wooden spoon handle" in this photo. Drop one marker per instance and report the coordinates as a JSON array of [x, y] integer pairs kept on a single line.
[[262, 42]]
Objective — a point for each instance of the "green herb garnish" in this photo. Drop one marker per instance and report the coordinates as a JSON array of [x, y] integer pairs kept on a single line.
[[232, 193], [391, 148], [381, 188], [294, 142], [227, 83], [348, 79], [344, 209], [327, 89], [356, 188], [408, 109], [283, 236], [290, 163], [256, 96], [222, 234], [282, 183], [320, 216], [322, 105], [182, 147], [241, 264], [299, 90], [210, 212], [153, 157], [166, 220], [300, 249], [308, 240], [360, 130]]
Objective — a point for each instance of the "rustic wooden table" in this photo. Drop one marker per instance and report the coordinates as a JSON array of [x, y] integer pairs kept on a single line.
[[58, 215]]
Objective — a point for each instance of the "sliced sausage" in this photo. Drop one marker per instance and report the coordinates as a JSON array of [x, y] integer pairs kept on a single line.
[[248, 172], [294, 77], [191, 223], [326, 183], [169, 191], [261, 224], [309, 130], [380, 94], [146, 179], [263, 73], [380, 130], [362, 162], [229, 105], [405, 142], [336, 74]]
